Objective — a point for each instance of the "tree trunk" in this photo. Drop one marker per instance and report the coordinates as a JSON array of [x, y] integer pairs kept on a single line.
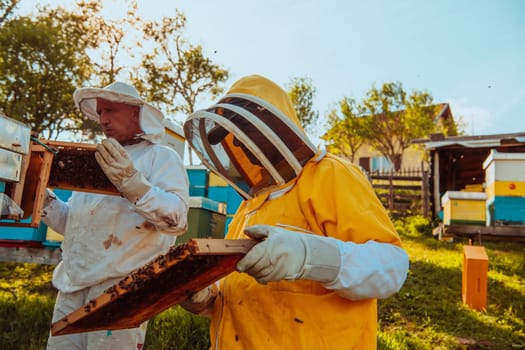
[[397, 162]]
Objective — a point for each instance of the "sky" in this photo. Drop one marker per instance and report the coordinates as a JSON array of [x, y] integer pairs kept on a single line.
[[468, 53]]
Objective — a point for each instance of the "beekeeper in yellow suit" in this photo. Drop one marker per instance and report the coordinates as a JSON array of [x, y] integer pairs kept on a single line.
[[328, 249]]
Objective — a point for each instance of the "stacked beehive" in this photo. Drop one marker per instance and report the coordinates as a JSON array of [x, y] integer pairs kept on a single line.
[[505, 188], [220, 191]]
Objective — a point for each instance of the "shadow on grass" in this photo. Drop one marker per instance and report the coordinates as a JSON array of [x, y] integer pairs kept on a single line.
[[431, 299]]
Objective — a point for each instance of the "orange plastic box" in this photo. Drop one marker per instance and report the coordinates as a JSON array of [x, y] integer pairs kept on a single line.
[[474, 278]]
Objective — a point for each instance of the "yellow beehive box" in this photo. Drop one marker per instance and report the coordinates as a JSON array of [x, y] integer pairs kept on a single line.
[[215, 180], [501, 166], [505, 189], [461, 207], [473, 188], [173, 136]]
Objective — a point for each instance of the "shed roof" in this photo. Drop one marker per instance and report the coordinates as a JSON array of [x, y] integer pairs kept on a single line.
[[479, 141]]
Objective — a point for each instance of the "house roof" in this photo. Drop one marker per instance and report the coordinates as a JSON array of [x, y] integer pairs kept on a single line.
[[442, 111], [439, 141]]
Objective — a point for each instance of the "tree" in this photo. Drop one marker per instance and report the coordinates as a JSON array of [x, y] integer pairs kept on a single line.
[[41, 64], [43, 59], [55, 52], [394, 119], [302, 93], [114, 40], [177, 73], [345, 133], [7, 8]]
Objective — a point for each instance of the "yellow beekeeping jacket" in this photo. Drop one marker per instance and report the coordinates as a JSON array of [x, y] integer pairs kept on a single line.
[[331, 197]]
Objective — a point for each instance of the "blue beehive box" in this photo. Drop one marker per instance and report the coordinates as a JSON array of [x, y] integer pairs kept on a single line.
[[219, 190], [18, 233], [507, 211], [218, 193], [198, 178], [234, 200], [226, 195]]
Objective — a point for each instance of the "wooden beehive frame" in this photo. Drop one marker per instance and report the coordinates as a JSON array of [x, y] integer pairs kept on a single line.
[[29, 192], [151, 289], [56, 164], [74, 168]]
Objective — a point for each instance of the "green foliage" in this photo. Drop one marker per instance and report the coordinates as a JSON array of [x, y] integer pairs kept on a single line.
[[177, 329], [416, 226], [40, 69], [26, 305], [176, 73], [6, 9], [25, 321], [45, 57], [302, 93], [394, 119], [388, 119], [344, 135]]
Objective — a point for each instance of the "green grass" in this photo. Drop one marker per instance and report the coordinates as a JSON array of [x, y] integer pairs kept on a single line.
[[26, 305], [427, 313]]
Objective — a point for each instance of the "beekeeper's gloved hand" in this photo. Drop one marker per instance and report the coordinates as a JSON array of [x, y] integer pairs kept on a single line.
[[199, 301], [290, 255], [114, 161]]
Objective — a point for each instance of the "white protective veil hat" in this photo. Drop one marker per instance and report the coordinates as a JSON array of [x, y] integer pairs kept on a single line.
[[151, 119]]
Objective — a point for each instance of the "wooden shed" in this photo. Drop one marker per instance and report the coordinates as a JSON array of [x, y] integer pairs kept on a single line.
[[456, 163]]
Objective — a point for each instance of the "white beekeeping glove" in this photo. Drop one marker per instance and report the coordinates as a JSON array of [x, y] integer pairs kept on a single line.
[[114, 161], [290, 255], [201, 300]]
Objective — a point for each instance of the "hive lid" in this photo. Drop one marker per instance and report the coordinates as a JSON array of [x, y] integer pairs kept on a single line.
[[462, 195], [14, 135], [495, 155]]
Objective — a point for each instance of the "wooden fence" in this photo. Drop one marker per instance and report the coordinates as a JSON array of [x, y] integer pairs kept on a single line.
[[403, 192]]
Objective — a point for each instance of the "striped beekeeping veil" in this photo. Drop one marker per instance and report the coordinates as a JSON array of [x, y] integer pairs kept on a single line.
[[248, 141]]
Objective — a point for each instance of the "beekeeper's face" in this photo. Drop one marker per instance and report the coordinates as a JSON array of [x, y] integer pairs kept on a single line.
[[119, 120]]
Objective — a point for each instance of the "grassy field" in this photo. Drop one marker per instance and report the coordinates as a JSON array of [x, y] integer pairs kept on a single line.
[[427, 313]]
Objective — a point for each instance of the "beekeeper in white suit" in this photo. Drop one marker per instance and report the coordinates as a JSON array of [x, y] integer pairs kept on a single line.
[[108, 236]]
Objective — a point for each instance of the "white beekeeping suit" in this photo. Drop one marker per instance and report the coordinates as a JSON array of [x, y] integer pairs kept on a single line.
[[108, 236]]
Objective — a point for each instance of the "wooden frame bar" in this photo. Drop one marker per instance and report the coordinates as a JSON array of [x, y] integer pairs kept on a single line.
[[165, 282], [56, 164], [29, 192]]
